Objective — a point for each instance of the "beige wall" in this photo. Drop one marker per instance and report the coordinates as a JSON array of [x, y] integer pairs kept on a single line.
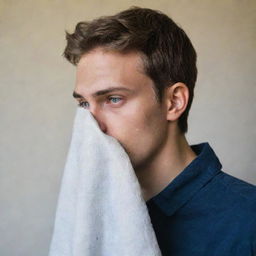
[[37, 109]]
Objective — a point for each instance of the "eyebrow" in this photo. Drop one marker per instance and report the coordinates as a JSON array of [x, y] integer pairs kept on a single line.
[[102, 92]]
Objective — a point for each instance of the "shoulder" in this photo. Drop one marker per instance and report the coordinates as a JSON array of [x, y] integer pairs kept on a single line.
[[242, 203], [231, 196], [237, 188], [228, 205], [237, 195]]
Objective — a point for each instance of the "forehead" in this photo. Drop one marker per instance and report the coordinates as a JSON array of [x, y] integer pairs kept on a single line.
[[100, 68], [99, 58]]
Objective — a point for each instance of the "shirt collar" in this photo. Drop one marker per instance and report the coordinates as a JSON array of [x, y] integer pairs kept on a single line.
[[203, 168]]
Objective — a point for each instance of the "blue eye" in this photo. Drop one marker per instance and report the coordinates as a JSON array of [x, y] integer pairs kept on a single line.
[[114, 98], [85, 104]]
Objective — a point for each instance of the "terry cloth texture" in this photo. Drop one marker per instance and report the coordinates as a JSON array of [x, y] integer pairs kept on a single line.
[[100, 210]]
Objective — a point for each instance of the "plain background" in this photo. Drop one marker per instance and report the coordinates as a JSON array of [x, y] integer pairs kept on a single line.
[[37, 108]]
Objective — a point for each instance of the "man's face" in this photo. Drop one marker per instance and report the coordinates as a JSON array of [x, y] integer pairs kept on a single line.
[[132, 116]]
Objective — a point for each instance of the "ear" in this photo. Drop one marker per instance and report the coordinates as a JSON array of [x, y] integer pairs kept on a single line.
[[176, 98]]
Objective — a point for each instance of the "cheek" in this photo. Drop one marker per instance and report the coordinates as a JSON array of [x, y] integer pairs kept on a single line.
[[137, 127], [126, 122], [135, 124], [140, 134]]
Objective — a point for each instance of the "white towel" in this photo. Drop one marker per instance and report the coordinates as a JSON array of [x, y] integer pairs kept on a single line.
[[100, 210]]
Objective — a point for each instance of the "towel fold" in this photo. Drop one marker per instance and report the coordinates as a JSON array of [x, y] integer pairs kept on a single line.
[[100, 210]]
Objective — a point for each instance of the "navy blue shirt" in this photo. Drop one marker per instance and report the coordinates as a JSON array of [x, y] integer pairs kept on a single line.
[[205, 211]]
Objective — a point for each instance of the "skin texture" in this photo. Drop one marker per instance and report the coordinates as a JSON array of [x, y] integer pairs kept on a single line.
[[147, 130]]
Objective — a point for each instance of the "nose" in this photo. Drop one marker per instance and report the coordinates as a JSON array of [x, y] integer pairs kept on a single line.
[[102, 126]]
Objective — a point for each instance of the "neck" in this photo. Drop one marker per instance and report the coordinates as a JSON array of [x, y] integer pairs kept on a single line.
[[171, 160]]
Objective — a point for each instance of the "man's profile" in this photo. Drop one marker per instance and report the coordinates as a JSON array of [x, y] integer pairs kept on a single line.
[[136, 73]]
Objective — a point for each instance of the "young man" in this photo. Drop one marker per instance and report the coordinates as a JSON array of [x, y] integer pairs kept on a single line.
[[136, 73]]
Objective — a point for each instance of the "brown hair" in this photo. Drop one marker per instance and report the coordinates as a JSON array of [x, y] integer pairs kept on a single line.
[[167, 53]]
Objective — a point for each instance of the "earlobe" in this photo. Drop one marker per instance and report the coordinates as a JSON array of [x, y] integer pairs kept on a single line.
[[177, 99]]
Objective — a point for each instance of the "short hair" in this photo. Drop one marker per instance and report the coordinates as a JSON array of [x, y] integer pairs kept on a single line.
[[167, 53]]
